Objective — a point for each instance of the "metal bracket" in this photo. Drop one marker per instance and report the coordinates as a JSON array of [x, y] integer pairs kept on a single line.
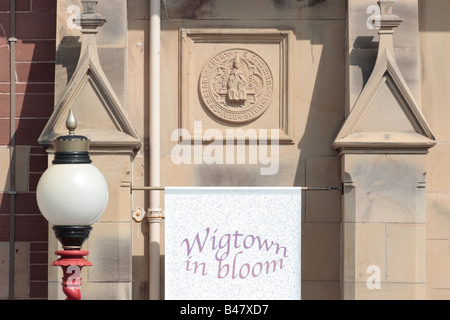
[[138, 214], [302, 188]]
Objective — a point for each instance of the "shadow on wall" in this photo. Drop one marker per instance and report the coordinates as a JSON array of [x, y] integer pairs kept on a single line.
[[364, 59], [175, 9], [318, 164], [67, 54], [138, 12], [439, 10]]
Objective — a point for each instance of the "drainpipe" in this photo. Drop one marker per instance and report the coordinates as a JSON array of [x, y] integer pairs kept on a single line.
[[154, 212], [12, 167]]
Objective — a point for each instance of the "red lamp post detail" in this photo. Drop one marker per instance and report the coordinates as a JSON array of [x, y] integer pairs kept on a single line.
[[71, 262]]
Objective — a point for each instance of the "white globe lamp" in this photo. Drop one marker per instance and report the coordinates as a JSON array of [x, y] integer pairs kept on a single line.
[[72, 193]]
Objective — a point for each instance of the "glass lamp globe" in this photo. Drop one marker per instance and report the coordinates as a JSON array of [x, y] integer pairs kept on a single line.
[[72, 193]]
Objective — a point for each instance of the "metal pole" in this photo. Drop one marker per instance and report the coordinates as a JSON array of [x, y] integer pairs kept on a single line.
[[302, 188], [12, 165], [154, 211]]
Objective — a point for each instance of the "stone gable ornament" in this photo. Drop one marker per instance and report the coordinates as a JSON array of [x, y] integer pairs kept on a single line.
[[236, 85], [386, 115], [100, 115]]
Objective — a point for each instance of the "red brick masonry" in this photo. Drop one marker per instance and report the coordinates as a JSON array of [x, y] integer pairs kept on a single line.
[[35, 71]]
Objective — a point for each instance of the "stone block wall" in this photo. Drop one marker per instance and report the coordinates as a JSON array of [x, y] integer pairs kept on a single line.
[[315, 96], [434, 32], [333, 54]]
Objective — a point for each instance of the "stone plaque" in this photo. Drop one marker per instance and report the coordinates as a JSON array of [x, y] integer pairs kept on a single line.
[[236, 85], [235, 78]]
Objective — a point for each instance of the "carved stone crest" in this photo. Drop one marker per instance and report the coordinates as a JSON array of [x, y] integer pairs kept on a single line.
[[236, 85]]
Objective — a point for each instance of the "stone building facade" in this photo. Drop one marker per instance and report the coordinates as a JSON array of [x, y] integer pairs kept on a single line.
[[352, 103]]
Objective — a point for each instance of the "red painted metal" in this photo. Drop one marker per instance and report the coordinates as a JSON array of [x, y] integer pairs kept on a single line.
[[71, 262]]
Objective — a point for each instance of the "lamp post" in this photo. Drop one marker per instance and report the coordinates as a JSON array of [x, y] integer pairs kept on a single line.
[[72, 194]]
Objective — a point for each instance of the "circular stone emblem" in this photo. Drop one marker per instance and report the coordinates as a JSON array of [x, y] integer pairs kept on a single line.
[[236, 85]]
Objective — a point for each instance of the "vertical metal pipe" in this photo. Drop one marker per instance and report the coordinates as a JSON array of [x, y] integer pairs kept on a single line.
[[154, 211], [12, 166]]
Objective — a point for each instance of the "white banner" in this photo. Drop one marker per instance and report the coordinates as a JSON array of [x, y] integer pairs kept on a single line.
[[232, 243]]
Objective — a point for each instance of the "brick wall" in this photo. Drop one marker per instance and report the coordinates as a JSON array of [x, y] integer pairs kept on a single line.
[[35, 65]]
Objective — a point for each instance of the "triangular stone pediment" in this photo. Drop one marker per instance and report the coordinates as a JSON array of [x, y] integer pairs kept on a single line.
[[385, 115], [99, 113]]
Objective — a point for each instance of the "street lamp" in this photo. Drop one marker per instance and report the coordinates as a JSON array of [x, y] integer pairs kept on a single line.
[[72, 194]]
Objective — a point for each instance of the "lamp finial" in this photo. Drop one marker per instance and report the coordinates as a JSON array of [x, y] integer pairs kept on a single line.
[[71, 122]]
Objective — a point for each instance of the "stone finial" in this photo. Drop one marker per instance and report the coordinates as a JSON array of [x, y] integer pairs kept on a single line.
[[89, 5], [386, 7], [89, 20], [387, 20], [386, 23]]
